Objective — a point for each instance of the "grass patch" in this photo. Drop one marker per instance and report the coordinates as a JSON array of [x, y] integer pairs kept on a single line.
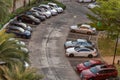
[[106, 47], [118, 69]]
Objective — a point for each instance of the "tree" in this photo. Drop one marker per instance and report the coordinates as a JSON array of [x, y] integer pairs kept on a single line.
[[108, 15], [17, 73], [4, 5], [9, 52]]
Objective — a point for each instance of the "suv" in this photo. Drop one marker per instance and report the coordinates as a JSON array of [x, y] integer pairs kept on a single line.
[[99, 72]]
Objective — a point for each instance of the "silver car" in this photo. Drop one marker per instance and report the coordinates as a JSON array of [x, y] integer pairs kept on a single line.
[[86, 0], [78, 42], [81, 51], [42, 11], [83, 28], [58, 9], [47, 7]]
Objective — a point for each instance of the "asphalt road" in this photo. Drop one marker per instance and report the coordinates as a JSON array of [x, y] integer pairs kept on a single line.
[[46, 46]]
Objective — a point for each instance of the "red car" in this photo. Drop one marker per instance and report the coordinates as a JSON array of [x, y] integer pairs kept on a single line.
[[87, 65], [99, 72]]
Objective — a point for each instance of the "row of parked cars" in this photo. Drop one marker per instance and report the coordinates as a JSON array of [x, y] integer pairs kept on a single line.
[[91, 69], [81, 47], [20, 25]]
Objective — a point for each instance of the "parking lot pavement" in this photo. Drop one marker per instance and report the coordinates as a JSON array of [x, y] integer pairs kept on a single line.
[[46, 46]]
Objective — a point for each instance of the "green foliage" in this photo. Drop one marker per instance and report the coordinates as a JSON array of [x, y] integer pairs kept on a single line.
[[106, 46], [108, 15], [18, 73]]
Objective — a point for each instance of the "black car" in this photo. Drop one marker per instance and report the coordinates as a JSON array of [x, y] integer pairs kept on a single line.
[[20, 24], [28, 19], [19, 32], [36, 14]]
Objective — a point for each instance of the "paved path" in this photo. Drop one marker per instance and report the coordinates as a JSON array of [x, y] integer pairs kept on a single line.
[[47, 44]]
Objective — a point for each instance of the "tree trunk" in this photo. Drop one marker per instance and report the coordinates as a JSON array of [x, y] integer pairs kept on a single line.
[[24, 3], [14, 5], [29, 2]]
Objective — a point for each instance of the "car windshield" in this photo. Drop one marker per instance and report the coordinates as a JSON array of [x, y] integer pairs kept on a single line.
[[74, 42], [87, 63], [56, 6], [77, 48], [43, 10], [94, 70]]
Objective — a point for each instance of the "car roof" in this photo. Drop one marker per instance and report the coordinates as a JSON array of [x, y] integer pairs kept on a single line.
[[84, 48], [86, 25], [105, 67], [52, 3], [81, 40], [44, 5]]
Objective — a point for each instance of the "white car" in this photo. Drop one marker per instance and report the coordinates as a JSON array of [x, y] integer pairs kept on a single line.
[[23, 45], [58, 9], [83, 28], [81, 51], [86, 0], [78, 42], [42, 11], [93, 5], [17, 41], [47, 7]]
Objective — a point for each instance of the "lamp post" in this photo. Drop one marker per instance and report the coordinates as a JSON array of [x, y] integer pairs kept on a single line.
[[116, 44]]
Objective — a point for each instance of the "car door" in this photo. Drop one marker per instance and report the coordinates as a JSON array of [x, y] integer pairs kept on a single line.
[[82, 29], [83, 52], [100, 75]]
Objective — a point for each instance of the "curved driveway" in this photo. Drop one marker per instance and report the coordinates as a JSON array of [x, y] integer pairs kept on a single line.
[[46, 46]]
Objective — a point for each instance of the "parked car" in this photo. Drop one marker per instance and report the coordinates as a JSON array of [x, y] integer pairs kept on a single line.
[[99, 72], [81, 51], [86, 0], [55, 6], [42, 11], [88, 64], [22, 46], [23, 49], [21, 24], [20, 32], [79, 42], [47, 7], [28, 19], [36, 14], [93, 5], [83, 28], [17, 41]]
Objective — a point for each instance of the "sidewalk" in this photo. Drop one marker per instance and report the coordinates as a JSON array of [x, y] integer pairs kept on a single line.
[[109, 59]]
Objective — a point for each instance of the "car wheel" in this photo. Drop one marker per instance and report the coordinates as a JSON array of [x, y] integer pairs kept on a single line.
[[89, 33], [73, 31], [90, 56], [71, 55]]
